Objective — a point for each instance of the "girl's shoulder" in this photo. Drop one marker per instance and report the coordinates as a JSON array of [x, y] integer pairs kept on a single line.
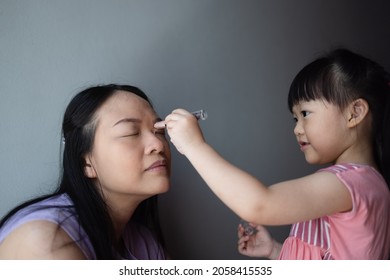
[[359, 177], [347, 167]]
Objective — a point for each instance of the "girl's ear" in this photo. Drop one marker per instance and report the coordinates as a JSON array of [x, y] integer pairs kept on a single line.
[[89, 170], [357, 112]]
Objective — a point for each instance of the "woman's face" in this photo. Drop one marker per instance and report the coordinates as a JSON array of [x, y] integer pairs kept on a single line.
[[129, 158]]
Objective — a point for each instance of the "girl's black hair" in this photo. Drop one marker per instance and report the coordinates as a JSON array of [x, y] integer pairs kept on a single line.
[[342, 76], [78, 130]]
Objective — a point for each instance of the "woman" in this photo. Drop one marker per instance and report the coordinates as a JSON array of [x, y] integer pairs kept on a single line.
[[114, 164]]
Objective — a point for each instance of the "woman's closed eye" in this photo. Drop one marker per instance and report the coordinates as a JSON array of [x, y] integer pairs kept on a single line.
[[131, 134], [159, 131], [137, 133]]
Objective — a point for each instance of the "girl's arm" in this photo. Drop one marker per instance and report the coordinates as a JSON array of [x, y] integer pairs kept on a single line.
[[287, 202]]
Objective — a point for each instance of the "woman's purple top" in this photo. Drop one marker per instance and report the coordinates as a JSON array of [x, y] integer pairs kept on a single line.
[[139, 241]]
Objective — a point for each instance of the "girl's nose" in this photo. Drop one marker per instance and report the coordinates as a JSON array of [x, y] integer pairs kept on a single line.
[[298, 129]]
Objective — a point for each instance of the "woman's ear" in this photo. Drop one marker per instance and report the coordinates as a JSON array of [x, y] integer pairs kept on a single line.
[[89, 170], [357, 112]]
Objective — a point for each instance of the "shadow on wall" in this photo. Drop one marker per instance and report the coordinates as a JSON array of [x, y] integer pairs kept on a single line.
[[196, 224]]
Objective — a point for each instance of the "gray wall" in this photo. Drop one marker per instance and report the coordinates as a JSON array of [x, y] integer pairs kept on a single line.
[[234, 58]]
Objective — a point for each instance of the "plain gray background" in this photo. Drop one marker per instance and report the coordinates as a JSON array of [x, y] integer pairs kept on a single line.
[[234, 58]]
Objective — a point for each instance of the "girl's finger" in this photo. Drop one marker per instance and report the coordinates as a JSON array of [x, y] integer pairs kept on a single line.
[[160, 124]]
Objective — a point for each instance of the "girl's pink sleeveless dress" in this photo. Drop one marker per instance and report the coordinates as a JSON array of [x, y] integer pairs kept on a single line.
[[362, 233]]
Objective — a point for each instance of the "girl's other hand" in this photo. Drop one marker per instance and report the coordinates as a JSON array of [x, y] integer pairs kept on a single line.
[[260, 244]]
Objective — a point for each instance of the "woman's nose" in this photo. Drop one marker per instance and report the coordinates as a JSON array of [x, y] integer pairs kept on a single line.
[[156, 143]]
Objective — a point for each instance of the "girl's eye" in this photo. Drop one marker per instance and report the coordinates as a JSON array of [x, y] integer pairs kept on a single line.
[[305, 113], [295, 120]]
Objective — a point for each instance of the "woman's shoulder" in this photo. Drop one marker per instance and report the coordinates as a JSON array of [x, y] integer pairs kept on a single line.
[[52, 221], [39, 239], [55, 209]]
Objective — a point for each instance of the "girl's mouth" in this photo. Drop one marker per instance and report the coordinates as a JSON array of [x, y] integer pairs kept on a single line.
[[303, 145]]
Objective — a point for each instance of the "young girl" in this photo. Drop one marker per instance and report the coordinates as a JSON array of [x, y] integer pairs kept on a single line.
[[340, 103], [114, 164]]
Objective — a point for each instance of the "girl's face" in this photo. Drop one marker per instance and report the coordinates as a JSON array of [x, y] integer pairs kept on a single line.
[[321, 131], [129, 158]]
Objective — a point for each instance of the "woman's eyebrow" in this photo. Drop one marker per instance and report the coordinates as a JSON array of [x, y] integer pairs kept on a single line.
[[127, 120]]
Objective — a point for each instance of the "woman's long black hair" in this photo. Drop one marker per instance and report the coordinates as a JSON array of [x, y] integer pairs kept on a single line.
[[78, 130], [342, 76]]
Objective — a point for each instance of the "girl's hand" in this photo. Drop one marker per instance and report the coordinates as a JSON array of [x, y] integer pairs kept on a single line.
[[183, 130], [260, 244]]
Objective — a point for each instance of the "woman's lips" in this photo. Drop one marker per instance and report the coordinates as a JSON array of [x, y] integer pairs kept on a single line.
[[157, 165]]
